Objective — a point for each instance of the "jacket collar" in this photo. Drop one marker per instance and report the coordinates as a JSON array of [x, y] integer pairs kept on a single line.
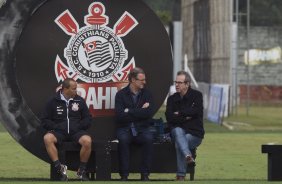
[[186, 96], [58, 96], [128, 91]]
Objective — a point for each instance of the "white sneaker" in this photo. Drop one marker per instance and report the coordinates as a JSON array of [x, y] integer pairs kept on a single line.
[[82, 175], [63, 173]]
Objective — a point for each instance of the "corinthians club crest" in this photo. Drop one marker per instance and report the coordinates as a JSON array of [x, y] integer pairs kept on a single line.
[[95, 53]]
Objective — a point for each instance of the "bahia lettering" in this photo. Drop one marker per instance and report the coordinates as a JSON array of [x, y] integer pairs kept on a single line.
[[96, 55], [100, 98]]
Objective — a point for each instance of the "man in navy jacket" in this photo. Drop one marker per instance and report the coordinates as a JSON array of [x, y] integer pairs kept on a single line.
[[184, 113], [134, 110], [66, 118]]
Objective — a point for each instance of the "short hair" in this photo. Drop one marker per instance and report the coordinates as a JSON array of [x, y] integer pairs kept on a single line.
[[66, 83], [187, 77], [134, 72]]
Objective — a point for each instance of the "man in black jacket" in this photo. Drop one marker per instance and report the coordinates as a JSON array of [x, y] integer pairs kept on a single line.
[[66, 118], [133, 106], [184, 113]]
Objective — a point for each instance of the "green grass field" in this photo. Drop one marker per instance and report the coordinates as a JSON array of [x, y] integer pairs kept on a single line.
[[225, 156]]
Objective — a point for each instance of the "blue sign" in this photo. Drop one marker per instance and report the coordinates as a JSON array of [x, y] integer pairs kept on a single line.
[[214, 108]]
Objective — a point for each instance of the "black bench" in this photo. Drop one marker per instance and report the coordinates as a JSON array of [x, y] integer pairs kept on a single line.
[[164, 159], [274, 161], [99, 162], [104, 159]]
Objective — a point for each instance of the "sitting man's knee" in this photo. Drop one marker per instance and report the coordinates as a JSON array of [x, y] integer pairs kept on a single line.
[[85, 140], [49, 138], [123, 138], [149, 138], [177, 131]]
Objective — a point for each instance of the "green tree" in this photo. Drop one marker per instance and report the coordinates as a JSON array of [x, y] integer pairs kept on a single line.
[[165, 9], [165, 16]]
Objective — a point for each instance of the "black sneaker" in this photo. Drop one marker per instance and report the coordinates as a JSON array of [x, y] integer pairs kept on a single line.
[[144, 177], [190, 160], [180, 178], [82, 175], [123, 178], [63, 173]]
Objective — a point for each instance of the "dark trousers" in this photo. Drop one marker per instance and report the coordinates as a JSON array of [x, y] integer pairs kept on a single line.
[[144, 139]]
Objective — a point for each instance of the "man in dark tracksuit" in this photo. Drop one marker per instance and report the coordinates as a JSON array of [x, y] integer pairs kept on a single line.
[[66, 118], [184, 114], [133, 106]]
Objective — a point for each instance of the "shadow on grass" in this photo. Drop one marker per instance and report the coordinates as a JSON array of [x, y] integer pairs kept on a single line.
[[23, 179], [160, 180], [3, 179], [134, 180]]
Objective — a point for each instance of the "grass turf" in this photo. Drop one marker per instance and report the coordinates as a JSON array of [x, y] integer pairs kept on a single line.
[[225, 156], [222, 158]]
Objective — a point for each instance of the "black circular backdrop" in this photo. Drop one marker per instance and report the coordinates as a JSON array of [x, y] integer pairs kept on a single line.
[[33, 41]]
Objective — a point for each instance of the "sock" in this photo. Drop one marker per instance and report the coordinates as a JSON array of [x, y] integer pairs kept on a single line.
[[82, 166], [57, 165]]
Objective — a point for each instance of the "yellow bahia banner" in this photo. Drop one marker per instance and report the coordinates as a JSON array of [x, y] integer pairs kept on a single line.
[[263, 56]]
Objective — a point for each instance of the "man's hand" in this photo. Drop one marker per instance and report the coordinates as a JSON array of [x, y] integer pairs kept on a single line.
[[126, 110], [176, 113], [145, 105]]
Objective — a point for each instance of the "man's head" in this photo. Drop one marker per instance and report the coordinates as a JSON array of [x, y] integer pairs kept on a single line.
[[137, 78], [182, 82], [69, 88]]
